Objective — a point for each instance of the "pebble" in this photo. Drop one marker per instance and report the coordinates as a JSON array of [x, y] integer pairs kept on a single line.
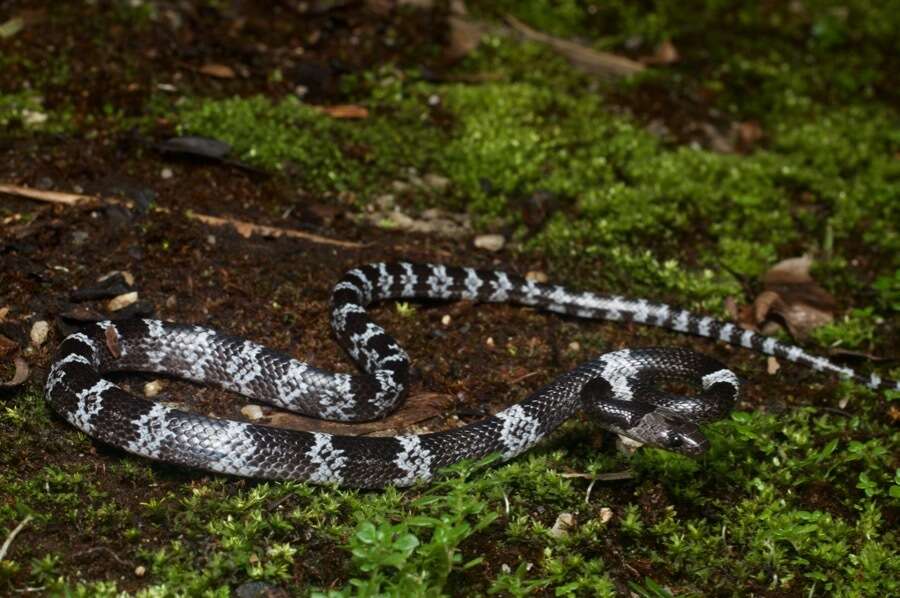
[[772, 365], [122, 301], [252, 412], [564, 522], [490, 342], [445, 320], [574, 346], [166, 173], [140, 571], [537, 276], [153, 388], [79, 237], [39, 331], [605, 514], [490, 242]]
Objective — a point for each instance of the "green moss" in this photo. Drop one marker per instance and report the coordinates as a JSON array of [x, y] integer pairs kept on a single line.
[[25, 110]]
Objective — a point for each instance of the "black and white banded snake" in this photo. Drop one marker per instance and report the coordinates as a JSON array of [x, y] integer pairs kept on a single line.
[[618, 390]]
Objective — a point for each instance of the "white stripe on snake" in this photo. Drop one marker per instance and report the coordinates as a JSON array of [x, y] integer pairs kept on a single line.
[[619, 390]]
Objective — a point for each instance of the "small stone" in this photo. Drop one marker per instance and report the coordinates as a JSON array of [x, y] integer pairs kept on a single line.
[[843, 402], [211, 239], [39, 331], [140, 571], [490, 242], [434, 100], [122, 301], [436, 181], [490, 342], [606, 514], [564, 522], [446, 320], [166, 173], [252, 412], [537, 276], [772, 365], [153, 388], [574, 346], [301, 90], [401, 220], [79, 237], [386, 202]]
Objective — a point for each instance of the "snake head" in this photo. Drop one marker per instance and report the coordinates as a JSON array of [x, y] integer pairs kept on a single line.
[[664, 430]]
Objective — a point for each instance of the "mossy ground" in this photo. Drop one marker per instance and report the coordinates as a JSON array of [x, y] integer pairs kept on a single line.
[[604, 185]]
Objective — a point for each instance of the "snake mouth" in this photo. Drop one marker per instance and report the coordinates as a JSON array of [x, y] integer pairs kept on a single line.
[[687, 442]]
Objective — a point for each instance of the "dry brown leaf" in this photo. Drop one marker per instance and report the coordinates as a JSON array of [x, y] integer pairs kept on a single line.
[[345, 111], [220, 71], [20, 376], [592, 62], [7, 346], [791, 294]]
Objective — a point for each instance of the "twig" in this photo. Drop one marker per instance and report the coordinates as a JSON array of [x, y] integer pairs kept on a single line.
[[69, 199], [60, 197], [247, 229], [12, 536], [108, 551], [587, 59]]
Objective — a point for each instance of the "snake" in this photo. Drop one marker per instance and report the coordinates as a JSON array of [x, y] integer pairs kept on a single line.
[[623, 391]]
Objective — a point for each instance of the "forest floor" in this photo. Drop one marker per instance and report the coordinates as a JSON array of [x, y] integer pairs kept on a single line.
[[746, 135]]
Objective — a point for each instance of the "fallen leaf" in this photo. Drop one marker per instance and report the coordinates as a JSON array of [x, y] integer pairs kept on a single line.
[[219, 71], [592, 62], [20, 376], [791, 294], [345, 111]]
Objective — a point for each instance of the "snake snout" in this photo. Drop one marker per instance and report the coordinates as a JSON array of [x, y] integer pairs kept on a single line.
[[688, 442]]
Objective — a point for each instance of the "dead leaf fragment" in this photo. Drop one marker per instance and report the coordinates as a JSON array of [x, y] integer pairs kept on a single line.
[[791, 294], [122, 301], [564, 522], [20, 376], [666, 53], [465, 35], [220, 71]]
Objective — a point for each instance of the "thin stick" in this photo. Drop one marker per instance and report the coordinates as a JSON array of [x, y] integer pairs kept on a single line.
[[69, 199], [247, 229], [12, 536]]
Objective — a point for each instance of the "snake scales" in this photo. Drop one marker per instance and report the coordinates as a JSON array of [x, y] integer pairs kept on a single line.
[[618, 390]]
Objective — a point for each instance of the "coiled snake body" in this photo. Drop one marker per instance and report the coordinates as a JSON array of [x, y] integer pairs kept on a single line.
[[617, 389]]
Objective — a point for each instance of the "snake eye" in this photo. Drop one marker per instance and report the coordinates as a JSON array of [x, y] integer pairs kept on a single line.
[[675, 441]]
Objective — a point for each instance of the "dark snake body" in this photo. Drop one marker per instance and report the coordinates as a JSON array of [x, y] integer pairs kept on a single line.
[[617, 389]]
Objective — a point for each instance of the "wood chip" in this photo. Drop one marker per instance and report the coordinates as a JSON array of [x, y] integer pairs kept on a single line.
[[112, 342], [69, 199], [606, 514], [39, 331], [345, 111], [220, 71], [122, 301]]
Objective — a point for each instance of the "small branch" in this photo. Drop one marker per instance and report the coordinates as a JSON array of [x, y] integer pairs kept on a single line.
[[602, 477], [248, 229], [106, 550], [12, 536], [68, 199]]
